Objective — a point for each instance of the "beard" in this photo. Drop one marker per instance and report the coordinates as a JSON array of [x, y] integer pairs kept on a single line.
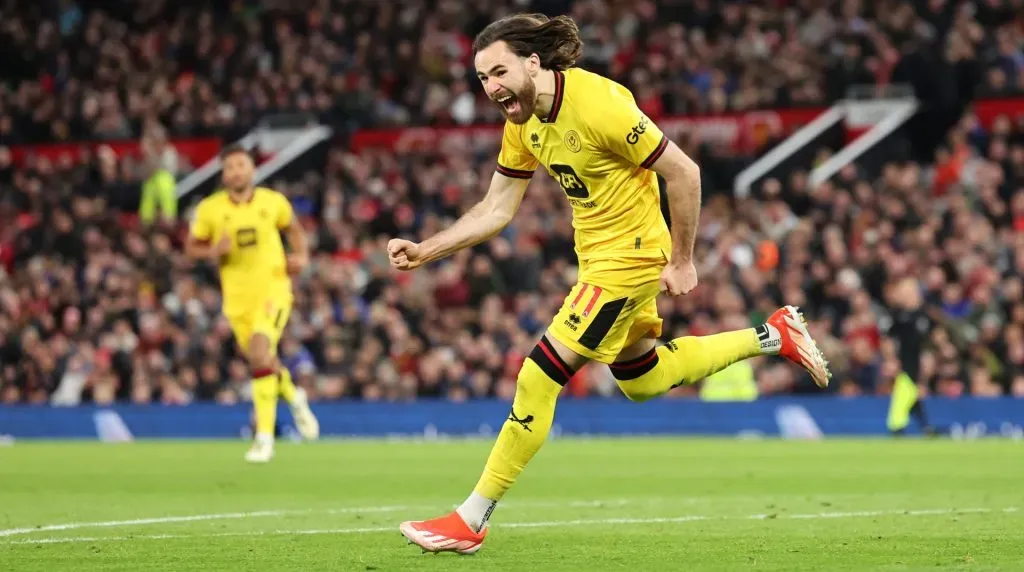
[[238, 185], [522, 105]]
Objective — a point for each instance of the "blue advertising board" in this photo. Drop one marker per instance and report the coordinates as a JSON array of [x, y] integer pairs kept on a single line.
[[788, 417]]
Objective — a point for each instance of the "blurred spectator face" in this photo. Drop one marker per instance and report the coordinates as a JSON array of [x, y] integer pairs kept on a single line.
[[142, 393], [332, 387], [209, 373], [1017, 388], [237, 372], [63, 222], [508, 80], [238, 172]]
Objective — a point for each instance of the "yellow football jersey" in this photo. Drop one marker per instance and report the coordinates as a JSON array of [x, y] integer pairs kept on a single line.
[[255, 268], [599, 146]]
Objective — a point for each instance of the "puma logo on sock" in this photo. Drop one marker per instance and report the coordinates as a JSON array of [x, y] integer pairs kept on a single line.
[[525, 421]]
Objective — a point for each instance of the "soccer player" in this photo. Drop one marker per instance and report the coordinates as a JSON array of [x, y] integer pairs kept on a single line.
[[593, 140], [605, 154], [239, 229]]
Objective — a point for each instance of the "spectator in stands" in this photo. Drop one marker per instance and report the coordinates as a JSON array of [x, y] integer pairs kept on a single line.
[[99, 71]]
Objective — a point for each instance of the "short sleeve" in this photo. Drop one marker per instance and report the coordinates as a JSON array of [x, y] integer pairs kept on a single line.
[[514, 160], [627, 132], [202, 224], [285, 212]]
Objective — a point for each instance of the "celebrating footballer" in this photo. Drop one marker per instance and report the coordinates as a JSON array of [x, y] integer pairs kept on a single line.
[[591, 137]]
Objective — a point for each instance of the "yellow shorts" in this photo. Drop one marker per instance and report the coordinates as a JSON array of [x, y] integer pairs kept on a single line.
[[268, 317], [612, 307]]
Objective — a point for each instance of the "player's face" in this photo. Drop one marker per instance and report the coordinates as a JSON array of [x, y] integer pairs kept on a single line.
[[238, 171], [508, 81]]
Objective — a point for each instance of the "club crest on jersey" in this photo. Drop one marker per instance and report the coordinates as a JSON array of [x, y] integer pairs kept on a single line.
[[535, 140], [572, 141]]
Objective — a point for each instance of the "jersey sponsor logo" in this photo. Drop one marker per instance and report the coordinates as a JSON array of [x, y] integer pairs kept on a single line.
[[245, 237], [572, 141], [582, 204], [535, 140], [639, 129], [571, 183]]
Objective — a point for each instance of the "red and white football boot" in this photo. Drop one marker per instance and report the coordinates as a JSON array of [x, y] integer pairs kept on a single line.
[[445, 534], [798, 346]]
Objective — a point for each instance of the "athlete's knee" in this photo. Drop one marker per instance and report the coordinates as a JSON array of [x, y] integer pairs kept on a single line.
[[638, 391], [551, 363], [260, 356], [634, 376]]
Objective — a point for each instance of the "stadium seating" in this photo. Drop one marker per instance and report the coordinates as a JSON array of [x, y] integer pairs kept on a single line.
[[98, 305]]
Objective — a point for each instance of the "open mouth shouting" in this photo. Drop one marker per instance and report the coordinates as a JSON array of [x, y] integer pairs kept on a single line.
[[509, 103]]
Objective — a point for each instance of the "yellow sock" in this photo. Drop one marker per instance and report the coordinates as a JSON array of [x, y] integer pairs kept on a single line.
[[286, 387], [528, 424], [683, 360], [264, 402], [902, 400]]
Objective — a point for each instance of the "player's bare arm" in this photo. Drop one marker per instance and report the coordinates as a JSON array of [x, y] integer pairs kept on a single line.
[[299, 245], [682, 184], [199, 249], [485, 220]]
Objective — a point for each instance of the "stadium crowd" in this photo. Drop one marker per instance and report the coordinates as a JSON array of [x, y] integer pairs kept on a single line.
[[103, 69], [98, 306]]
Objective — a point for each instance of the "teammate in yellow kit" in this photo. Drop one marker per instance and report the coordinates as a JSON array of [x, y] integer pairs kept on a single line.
[[239, 228], [591, 137]]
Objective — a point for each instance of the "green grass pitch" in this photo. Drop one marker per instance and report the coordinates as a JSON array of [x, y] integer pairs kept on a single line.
[[583, 505]]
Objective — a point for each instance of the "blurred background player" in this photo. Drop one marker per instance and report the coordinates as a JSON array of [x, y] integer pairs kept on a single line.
[[239, 229], [159, 200], [604, 152], [911, 326]]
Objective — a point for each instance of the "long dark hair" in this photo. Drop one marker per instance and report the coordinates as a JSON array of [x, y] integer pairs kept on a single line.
[[555, 40]]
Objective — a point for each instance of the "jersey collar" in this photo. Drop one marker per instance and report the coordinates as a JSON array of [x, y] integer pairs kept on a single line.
[[252, 196], [556, 104]]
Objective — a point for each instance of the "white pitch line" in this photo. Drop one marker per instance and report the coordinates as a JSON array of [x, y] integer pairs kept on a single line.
[[287, 512], [195, 518], [344, 510], [601, 503], [538, 524]]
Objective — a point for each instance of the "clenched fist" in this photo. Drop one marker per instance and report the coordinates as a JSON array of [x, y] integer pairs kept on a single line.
[[678, 278], [222, 247], [404, 254]]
